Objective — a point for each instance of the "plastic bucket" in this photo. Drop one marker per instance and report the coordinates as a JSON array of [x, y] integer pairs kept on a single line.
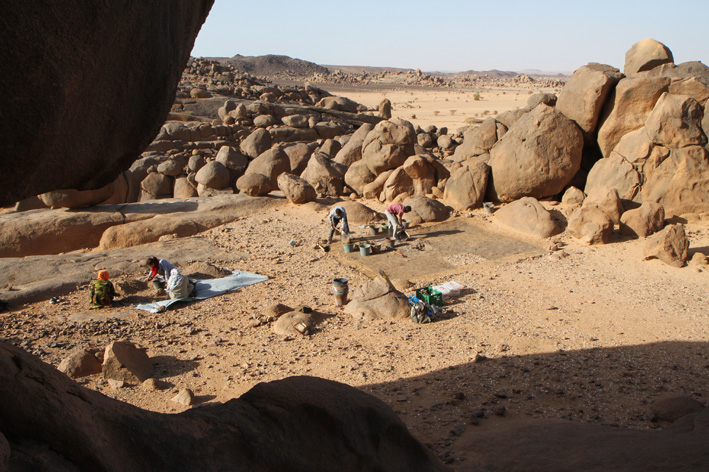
[[340, 290], [347, 247], [365, 249]]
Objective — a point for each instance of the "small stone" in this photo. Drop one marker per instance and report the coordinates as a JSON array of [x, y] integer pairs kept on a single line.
[[499, 410], [153, 384], [479, 358], [184, 397], [402, 398], [501, 394], [458, 429], [116, 384]]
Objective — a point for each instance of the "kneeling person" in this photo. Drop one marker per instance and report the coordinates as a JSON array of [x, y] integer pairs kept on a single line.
[[178, 285], [102, 291]]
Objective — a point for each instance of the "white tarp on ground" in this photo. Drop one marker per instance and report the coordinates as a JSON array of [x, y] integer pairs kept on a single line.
[[208, 288]]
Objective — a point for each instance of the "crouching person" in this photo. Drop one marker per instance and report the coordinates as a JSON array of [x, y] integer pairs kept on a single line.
[[178, 285], [102, 291]]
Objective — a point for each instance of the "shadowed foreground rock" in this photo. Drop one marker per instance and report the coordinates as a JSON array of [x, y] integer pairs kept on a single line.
[[296, 424], [73, 68], [553, 446]]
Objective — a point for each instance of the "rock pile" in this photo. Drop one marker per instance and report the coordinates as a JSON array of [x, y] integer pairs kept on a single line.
[[633, 140]]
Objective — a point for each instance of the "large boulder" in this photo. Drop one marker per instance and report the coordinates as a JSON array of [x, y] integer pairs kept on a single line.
[[479, 139], [65, 99], [359, 214], [537, 157], [55, 231], [326, 177], [213, 175], [298, 423], [426, 210], [607, 200], [680, 182], [235, 162], [374, 188], [80, 363], [591, 225], [358, 175], [676, 122], [628, 108], [528, 216], [183, 188], [671, 407], [254, 184], [465, 189], [644, 221], [584, 94], [352, 151], [644, 55], [378, 300], [398, 184], [76, 198], [172, 167], [124, 361], [296, 189], [423, 173], [388, 145], [271, 163], [157, 185], [670, 245], [339, 104], [298, 155], [256, 143]]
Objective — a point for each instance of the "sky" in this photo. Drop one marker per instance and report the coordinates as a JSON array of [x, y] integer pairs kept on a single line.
[[455, 35]]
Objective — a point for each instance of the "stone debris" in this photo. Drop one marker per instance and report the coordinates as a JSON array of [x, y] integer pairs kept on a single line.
[[184, 397]]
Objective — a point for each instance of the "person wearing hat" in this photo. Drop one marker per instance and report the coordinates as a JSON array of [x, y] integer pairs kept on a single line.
[[102, 291]]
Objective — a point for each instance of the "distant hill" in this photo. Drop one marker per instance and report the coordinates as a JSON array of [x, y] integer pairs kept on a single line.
[[365, 69], [273, 65]]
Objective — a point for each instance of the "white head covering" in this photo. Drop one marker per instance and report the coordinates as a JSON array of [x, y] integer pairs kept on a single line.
[[175, 280]]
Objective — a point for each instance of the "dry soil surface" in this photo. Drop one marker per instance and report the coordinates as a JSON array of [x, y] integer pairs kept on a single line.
[[582, 334], [449, 107]]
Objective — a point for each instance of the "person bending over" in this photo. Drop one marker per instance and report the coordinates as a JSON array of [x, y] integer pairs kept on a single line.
[[395, 213], [336, 216]]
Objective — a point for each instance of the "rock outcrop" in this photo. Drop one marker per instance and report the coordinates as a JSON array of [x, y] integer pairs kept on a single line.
[[319, 425], [537, 157], [75, 78]]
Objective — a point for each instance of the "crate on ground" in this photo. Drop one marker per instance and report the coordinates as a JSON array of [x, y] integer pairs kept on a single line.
[[430, 295]]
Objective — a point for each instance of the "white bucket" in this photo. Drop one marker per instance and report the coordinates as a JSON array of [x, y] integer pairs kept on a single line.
[[453, 288], [445, 292]]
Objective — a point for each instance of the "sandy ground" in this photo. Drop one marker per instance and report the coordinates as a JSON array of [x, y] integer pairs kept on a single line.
[[582, 334], [441, 106]]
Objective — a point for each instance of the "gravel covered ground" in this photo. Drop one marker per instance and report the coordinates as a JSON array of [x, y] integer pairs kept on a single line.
[[585, 333]]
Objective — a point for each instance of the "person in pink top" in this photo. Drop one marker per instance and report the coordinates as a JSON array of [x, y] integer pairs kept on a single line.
[[395, 213]]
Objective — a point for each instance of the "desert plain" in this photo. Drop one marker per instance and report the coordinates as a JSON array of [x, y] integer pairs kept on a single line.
[[550, 330]]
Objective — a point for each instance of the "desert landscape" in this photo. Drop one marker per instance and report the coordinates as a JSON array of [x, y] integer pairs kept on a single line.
[[572, 212]]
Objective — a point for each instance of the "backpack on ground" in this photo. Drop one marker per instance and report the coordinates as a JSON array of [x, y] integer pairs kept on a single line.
[[419, 312]]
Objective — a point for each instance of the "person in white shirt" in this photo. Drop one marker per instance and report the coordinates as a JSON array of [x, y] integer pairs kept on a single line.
[[337, 215]]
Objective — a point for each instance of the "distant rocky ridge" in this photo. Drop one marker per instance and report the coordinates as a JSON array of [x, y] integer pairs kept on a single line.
[[276, 67], [272, 65]]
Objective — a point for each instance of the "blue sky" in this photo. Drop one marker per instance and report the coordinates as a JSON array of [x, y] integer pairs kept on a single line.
[[455, 35]]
